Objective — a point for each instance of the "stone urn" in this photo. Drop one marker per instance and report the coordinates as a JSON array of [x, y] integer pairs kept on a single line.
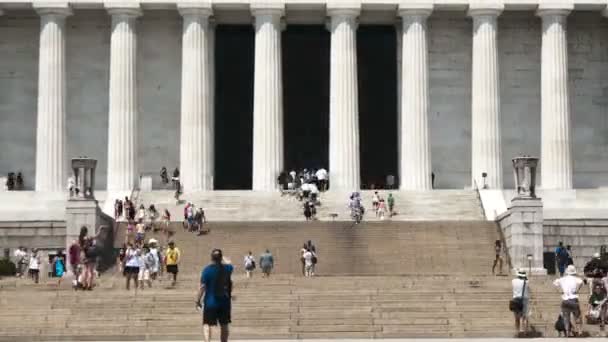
[[82, 182], [524, 170]]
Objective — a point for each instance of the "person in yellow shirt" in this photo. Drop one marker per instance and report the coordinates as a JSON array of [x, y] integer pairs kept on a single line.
[[172, 258]]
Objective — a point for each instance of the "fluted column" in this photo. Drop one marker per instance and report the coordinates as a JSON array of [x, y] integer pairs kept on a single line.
[[399, 38], [51, 156], [485, 98], [344, 161], [267, 99], [211, 63], [196, 146], [556, 158], [122, 134], [415, 148]]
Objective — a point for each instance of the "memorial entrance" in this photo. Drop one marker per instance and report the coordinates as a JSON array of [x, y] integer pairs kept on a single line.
[[306, 72]]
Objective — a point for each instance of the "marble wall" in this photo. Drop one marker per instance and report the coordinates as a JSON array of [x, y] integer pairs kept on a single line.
[[159, 72]]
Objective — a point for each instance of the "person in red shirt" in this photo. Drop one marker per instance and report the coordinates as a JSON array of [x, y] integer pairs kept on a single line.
[[74, 258]]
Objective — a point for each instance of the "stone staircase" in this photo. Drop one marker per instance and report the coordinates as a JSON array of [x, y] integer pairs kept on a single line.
[[375, 280], [370, 248], [273, 206], [283, 306]]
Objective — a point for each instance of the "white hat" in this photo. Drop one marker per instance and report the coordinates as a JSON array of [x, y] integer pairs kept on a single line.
[[596, 255], [571, 270], [521, 274], [152, 241]]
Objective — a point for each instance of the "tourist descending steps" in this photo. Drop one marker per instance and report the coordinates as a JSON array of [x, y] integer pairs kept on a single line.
[[172, 259], [266, 263], [520, 301], [147, 267], [498, 259], [570, 286], [249, 264], [131, 269], [216, 294]]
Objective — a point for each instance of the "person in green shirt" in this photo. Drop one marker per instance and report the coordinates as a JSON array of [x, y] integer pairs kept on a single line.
[[391, 204]]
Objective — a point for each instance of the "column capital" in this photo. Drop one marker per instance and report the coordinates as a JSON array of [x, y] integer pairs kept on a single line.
[[554, 9], [492, 9], [52, 8], [344, 8], [415, 9], [123, 9], [267, 8], [194, 11]]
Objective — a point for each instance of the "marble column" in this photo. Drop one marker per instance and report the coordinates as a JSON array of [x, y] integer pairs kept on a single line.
[[122, 134], [556, 158], [415, 162], [399, 38], [267, 99], [344, 161], [51, 156], [197, 131], [211, 63], [485, 99]]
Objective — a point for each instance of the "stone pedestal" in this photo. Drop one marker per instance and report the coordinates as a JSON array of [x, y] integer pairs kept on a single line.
[[522, 227]]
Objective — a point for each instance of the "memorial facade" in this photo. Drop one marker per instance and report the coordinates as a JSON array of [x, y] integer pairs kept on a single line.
[[136, 85]]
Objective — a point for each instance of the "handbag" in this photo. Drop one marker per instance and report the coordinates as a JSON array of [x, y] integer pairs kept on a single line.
[[517, 304]]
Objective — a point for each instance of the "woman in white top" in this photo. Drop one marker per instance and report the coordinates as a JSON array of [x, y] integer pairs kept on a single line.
[[131, 270], [249, 264], [34, 266], [570, 286]]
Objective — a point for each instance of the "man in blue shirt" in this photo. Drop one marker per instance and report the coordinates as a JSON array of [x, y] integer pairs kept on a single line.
[[216, 292]]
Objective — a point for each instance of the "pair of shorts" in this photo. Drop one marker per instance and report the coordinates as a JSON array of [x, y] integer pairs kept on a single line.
[[139, 236], [213, 316], [172, 269], [33, 272], [571, 306], [143, 274], [131, 270]]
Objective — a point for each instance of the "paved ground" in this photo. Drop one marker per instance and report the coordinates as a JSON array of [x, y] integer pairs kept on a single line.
[[402, 340]]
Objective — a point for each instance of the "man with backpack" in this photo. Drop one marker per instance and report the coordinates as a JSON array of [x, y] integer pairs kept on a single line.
[[216, 292]]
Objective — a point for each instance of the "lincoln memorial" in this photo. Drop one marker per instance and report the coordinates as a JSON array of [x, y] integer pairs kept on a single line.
[[234, 91]]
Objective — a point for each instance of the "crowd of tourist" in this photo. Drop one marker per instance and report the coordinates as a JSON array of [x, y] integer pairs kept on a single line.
[[144, 263], [194, 219], [570, 315]]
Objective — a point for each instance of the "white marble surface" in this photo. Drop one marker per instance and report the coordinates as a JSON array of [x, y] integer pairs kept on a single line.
[[51, 161], [556, 149], [122, 126], [450, 56], [485, 102], [344, 128], [197, 131], [268, 142], [415, 149]]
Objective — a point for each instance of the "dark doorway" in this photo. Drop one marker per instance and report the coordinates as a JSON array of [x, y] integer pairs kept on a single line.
[[234, 61], [306, 96], [377, 72]]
